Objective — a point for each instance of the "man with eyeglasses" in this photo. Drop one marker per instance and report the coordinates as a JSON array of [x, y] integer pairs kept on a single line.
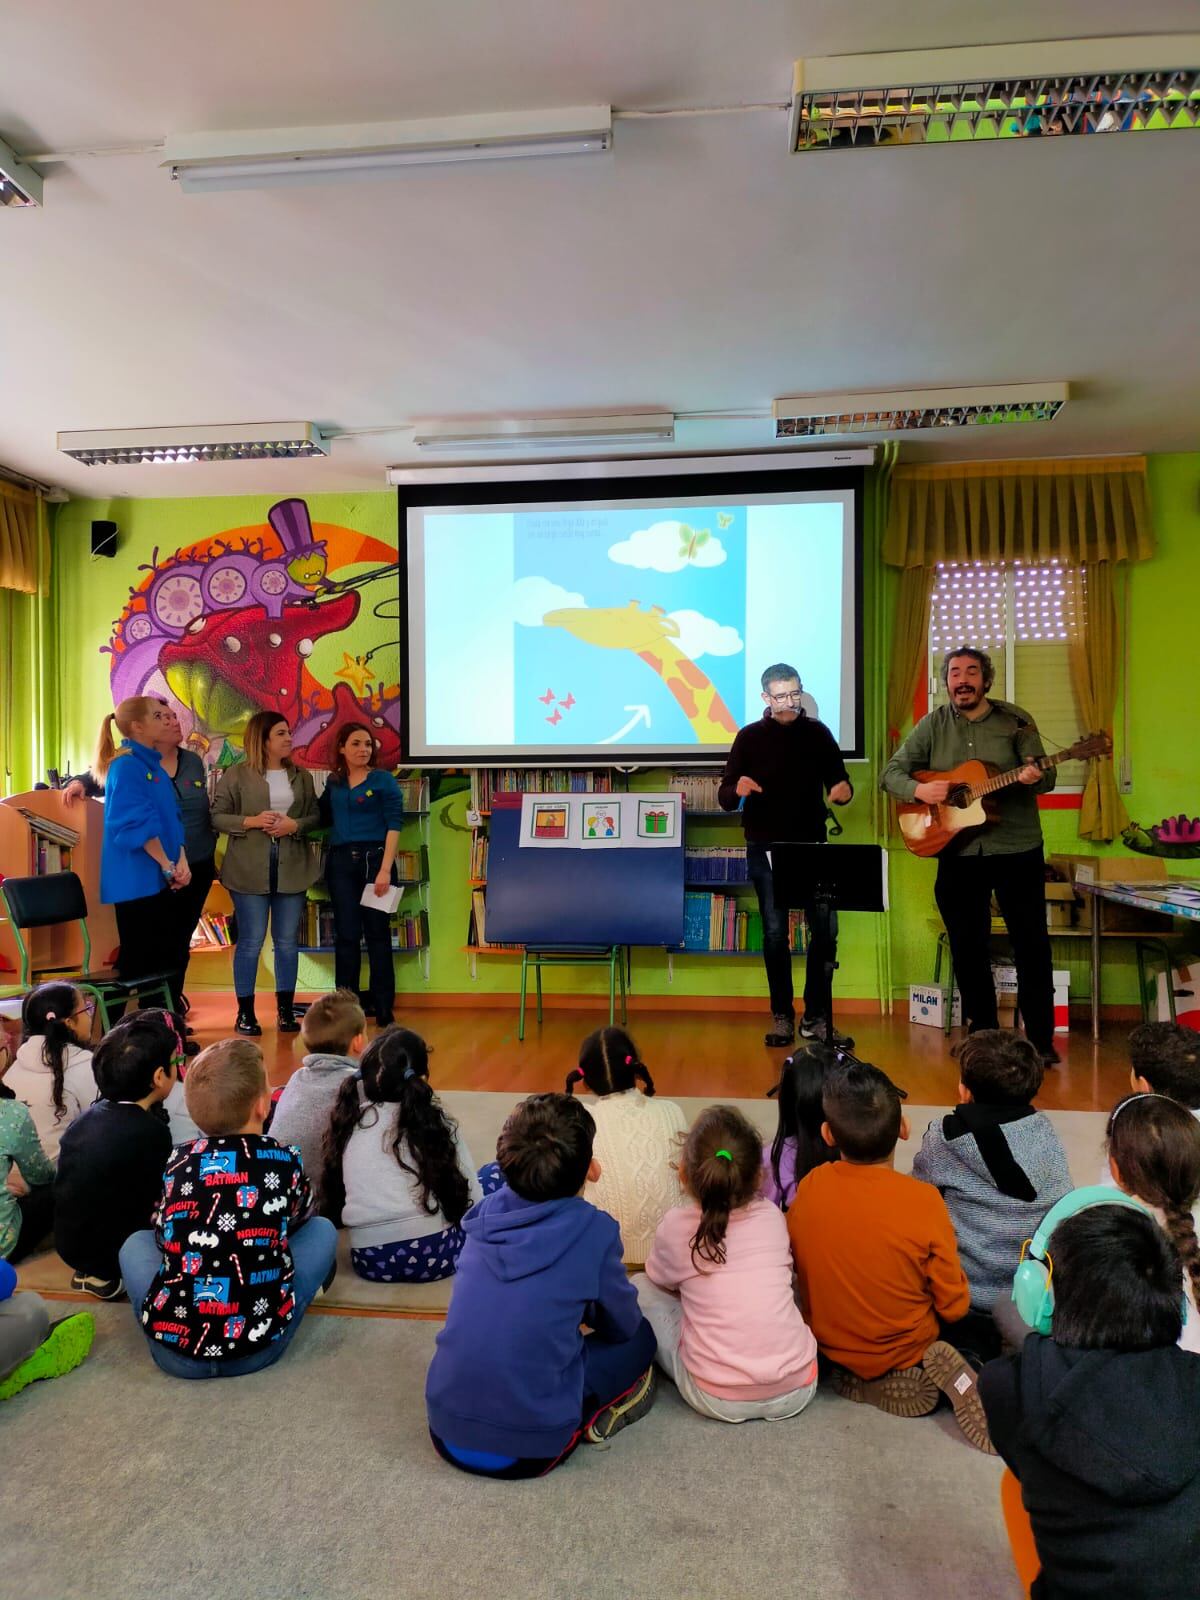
[[780, 770]]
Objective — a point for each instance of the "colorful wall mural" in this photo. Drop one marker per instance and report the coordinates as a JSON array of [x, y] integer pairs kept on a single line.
[[286, 615]]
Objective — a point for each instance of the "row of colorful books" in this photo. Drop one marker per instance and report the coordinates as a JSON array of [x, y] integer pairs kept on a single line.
[[716, 864], [212, 929], [489, 781], [725, 924], [479, 854], [699, 789]]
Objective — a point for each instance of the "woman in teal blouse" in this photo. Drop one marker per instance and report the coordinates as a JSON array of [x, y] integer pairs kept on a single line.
[[363, 809]]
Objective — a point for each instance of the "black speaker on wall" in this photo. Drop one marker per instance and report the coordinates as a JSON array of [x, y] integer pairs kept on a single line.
[[104, 538]]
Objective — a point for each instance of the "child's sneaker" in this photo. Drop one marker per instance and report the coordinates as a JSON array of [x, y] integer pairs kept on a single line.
[[99, 1288], [62, 1350], [906, 1392], [629, 1408], [955, 1377]]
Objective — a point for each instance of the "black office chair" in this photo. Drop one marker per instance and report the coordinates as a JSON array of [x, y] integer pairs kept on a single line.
[[48, 901]]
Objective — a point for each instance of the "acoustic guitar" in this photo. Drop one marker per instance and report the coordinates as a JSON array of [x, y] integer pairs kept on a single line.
[[926, 829]]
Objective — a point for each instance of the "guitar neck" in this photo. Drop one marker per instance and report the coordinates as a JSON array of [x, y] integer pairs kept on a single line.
[[1003, 779]]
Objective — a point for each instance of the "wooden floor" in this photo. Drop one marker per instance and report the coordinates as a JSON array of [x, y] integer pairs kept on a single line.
[[710, 1053]]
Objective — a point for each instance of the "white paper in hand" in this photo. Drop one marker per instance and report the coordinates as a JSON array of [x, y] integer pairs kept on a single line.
[[382, 902]]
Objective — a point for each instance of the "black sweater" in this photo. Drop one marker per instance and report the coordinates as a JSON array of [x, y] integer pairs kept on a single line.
[[796, 763], [1107, 1449], [110, 1178]]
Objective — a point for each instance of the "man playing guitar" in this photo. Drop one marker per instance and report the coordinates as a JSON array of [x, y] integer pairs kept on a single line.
[[1004, 858]]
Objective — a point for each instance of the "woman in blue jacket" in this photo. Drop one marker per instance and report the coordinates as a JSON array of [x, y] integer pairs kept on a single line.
[[142, 862], [363, 808]]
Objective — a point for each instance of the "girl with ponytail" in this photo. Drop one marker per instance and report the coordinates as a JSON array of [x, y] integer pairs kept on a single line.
[[397, 1172], [1154, 1155], [142, 862], [717, 1288], [637, 1138], [52, 1072]]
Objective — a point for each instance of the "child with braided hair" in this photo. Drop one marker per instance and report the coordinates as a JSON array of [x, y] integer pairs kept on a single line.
[[638, 1138], [1154, 1155], [717, 1288], [52, 1072]]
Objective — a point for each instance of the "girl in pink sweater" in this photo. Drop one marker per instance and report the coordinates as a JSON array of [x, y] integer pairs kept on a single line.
[[717, 1288]]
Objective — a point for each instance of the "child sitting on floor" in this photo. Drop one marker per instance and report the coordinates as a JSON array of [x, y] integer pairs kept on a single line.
[[717, 1288], [638, 1138], [1154, 1155], [30, 1347], [52, 1072], [797, 1146], [876, 1261], [110, 1165], [1100, 1420], [25, 1219], [220, 1286], [514, 1384], [997, 1163], [1164, 1058], [397, 1171], [333, 1030]]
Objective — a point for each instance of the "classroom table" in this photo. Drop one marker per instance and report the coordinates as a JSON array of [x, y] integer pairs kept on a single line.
[[1178, 897]]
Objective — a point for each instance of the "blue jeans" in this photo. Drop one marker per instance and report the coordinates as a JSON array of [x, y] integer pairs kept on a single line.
[[253, 911], [777, 956], [313, 1247]]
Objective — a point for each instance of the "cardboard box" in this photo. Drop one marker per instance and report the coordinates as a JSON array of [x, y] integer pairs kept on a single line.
[[1130, 868], [1060, 914], [1005, 978], [927, 1006], [1060, 891], [1186, 983]]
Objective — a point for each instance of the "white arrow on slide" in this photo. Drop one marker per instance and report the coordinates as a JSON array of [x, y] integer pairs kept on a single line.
[[640, 714]]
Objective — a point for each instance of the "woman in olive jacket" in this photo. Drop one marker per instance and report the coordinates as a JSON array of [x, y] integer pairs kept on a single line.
[[266, 806]]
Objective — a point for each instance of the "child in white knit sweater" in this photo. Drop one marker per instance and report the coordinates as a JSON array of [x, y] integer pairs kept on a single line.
[[638, 1139]]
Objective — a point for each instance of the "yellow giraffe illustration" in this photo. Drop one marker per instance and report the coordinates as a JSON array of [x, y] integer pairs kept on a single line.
[[648, 634]]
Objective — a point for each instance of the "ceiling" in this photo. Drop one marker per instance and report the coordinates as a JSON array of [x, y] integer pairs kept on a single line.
[[699, 268]]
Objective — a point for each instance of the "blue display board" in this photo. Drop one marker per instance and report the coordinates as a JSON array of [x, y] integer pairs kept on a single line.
[[579, 897]]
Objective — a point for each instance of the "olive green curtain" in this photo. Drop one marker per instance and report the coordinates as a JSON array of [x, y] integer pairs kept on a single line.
[[22, 521], [910, 647], [1028, 511], [29, 672], [1094, 652]]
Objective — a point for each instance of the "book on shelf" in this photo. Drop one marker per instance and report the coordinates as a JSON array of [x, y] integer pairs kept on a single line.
[[486, 782], [212, 930], [410, 931], [50, 844], [414, 793], [718, 864], [722, 924], [479, 854], [699, 789], [412, 866], [477, 925]]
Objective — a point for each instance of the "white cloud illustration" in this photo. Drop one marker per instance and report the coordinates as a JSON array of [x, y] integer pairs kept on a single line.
[[668, 547], [701, 636], [533, 597]]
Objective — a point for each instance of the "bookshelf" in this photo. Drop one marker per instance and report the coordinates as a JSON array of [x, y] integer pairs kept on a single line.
[[40, 833]]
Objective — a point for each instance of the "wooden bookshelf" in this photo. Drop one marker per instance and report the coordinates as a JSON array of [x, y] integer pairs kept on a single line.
[[59, 947]]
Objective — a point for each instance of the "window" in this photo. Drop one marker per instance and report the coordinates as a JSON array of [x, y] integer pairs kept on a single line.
[[1023, 616]]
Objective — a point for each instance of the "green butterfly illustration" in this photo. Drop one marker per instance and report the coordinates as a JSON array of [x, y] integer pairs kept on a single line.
[[692, 540], [724, 518]]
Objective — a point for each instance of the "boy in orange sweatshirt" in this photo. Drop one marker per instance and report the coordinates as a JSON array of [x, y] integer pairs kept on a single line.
[[877, 1263]]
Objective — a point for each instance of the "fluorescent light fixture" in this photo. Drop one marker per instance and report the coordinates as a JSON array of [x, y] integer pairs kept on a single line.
[[263, 158], [251, 441], [636, 467], [1002, 91], [546, 433], [807, 416], [19, 185]]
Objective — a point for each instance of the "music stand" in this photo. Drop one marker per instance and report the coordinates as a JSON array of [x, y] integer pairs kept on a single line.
[[829, 878]]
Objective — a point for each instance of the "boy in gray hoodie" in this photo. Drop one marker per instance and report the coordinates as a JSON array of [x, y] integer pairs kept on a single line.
[[333, 1030], [996, 1160]]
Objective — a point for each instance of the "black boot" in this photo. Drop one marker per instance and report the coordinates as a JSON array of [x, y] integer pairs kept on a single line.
[[247, 1022], [285, 1017]]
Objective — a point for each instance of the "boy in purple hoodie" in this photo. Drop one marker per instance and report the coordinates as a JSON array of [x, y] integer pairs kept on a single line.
[[514, 1385]]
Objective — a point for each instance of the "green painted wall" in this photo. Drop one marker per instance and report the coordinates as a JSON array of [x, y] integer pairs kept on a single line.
[[89, 594]]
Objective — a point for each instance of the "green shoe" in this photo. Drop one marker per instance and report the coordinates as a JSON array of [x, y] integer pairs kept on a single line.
[[64, 1347]]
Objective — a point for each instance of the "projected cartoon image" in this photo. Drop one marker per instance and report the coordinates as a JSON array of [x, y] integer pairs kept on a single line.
[[267, 617], [688, 602]]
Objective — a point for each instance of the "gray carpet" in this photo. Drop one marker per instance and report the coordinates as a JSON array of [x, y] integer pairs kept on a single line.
[[316, 1479]]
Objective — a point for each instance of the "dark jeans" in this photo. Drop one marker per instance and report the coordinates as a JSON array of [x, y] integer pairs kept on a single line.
[[609, 1371], [348, 870], [143, 927], [183, 911], [963, 891], [37, 1219], [777, 957]]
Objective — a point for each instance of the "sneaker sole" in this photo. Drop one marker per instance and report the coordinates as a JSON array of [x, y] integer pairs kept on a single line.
[[955, 1377], [64, 1348], [620, 1414], [909, 1392]]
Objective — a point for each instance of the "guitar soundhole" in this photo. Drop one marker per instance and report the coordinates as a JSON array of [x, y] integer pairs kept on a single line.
[[959, 796]]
